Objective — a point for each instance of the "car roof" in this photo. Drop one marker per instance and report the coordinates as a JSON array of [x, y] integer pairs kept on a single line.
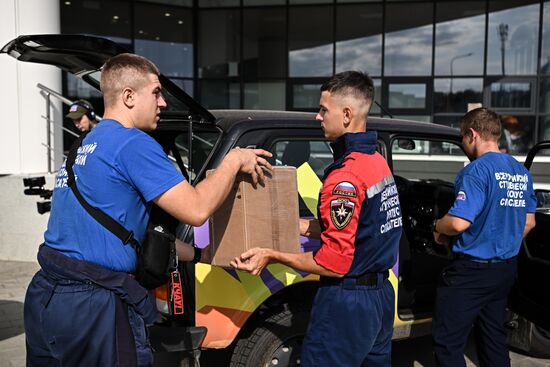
[[230, 119]]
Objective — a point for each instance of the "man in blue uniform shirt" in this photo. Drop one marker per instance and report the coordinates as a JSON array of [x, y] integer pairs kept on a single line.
[[359, 226], [493, 211], [82, 308]]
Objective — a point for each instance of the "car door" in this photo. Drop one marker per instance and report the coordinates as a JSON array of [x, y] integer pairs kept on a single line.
[[531, 297]]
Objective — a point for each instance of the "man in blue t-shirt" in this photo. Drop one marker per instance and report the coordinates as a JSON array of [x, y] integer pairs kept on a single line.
[[82, 308], [493, 211]]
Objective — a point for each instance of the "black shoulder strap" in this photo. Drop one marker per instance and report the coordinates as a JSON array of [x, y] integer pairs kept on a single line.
[[104, 219]]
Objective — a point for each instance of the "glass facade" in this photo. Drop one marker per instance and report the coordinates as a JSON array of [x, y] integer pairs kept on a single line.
[[428, 59]]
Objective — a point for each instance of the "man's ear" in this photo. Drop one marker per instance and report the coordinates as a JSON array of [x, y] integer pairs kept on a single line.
[[128, 97], [348, 115]]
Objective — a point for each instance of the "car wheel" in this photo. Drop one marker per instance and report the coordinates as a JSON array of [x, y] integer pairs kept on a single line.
[[276, 341], [539, 342]]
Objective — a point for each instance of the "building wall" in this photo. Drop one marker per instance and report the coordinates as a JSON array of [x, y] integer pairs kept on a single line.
[[23, 129]]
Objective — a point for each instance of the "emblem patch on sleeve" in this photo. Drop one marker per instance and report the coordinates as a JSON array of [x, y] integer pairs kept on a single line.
[[461, 195], [341, 211], [345, 189]]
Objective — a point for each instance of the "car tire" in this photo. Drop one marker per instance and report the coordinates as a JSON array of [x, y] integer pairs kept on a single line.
[[275, 341], [539, 345]]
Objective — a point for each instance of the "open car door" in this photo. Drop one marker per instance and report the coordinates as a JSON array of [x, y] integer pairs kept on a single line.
[[531, 296]]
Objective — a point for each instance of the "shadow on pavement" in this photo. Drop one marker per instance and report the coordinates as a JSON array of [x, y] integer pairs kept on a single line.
[[11, 319]]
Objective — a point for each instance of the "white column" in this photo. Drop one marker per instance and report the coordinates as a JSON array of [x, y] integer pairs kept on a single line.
[[23, 130]]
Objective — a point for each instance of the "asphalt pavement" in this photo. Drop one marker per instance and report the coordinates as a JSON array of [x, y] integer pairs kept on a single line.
[[15, 276]]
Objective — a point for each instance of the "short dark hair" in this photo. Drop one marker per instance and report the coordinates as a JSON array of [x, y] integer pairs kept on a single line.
[[354, 83], [124, 70], [483, 120]]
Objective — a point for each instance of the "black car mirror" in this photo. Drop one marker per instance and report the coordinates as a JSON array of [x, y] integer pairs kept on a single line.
[[406, 144]]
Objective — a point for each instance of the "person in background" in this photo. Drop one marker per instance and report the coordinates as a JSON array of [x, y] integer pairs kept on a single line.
[[83, 115], [493, 211]]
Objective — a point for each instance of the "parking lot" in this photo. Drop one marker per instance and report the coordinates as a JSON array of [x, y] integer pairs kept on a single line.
[[14, 277]]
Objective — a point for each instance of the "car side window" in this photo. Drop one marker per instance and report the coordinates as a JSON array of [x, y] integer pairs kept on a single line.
[[317, 153], [423, 159]]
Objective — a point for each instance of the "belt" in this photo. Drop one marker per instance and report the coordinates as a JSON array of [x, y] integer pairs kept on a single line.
[[370, 279], [461, 256]]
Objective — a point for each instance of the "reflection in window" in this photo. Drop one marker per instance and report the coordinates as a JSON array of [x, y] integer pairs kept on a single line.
[[164, 36], [109, 19], [512, 38], [374, 109], [80, 89], [359, 38], [264, 95], [223, 59], [453, 95], [264, 43], [511, 95], [407, 95], [517, 135], [219, 94], [306, 96], [310, 44], [408, 44], [418, 118], [459, 49], [545, 52]]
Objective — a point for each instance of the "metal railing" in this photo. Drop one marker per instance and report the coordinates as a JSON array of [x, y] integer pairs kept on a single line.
[[48, 93]]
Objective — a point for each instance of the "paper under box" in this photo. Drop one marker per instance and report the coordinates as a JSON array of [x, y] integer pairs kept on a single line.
[[266, 216]]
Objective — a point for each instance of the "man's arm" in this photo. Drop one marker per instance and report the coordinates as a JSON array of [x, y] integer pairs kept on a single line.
[[193, 205], [530, 223], [256, 259], [447, 227]]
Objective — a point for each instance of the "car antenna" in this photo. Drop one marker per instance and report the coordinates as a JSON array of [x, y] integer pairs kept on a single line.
[[383, 110]]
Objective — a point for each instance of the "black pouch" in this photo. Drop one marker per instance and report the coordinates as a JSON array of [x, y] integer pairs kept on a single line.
[[156, 258]]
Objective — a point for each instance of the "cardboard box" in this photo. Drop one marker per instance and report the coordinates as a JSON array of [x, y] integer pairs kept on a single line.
[[267, 216]]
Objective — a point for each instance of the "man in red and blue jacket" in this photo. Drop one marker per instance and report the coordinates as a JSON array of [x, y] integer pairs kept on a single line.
[[359, 226]]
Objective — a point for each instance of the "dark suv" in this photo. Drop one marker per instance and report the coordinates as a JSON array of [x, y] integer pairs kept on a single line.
[[263, 319]]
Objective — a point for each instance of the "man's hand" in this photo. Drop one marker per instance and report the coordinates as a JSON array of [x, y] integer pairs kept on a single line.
[[251, 161], [442, 239], [253, 260]]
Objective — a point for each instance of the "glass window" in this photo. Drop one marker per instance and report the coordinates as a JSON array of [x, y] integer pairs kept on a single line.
[[217, 3], [310, 43], [109, 19], [511, 95], [359, 38], [203, 142], [306, 96], [165, 36], [454, 94], [407, 95], [544, 106], [446, 120], [219, 94], [295, 2], [185, 84], [263, 2], [459, 44], [408, 44], [418, 118], [421, 159], [219, 45], [264, 43], [297, 152], [545, 53], [544, 133], [512, 37], [374, 109], [518, 134], [265, 95]]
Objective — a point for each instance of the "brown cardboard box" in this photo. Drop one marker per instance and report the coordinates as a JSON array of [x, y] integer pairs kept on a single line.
[[263, 217]]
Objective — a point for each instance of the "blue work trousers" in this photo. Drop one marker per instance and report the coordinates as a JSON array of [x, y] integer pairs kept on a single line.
[[72, 323], [473, 294], [351, 325]]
